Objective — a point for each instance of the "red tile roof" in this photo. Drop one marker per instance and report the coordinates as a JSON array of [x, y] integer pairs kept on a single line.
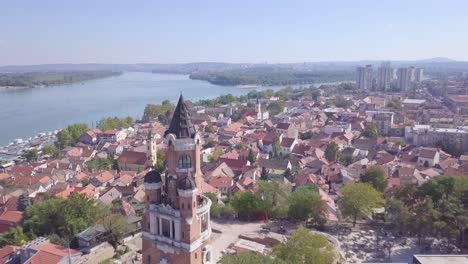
[[132, 157]]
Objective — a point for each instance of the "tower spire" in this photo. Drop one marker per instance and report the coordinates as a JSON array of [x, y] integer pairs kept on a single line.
[[181, 123]]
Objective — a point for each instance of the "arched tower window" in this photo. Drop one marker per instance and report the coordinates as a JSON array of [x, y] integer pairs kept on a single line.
[[185, 162]]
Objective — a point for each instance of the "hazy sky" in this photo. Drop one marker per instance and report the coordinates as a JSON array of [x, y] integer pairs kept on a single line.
[[132, 31]]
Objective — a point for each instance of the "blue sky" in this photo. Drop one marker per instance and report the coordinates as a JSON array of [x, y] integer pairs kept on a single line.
[[172, 31]]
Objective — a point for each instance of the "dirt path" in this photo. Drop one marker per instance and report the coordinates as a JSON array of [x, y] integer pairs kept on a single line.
[[230, 233]]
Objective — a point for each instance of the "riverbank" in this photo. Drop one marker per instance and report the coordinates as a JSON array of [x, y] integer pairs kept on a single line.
[[27, 112], [13, 88]]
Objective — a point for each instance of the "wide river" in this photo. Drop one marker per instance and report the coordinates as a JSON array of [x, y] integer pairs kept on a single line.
[[27, 112]]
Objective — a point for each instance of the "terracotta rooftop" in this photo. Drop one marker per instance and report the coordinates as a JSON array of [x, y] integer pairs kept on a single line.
[[132, 157]]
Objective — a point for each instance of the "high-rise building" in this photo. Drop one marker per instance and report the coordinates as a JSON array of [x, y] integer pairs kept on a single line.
[[364, 77], [418, 74], [384, 76], [404, 77], [176, 223]]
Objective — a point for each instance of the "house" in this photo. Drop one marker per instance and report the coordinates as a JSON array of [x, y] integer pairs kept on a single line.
[[275, 168], [9, 219], [287, 145], [109, 196], [112, 136], [132, 160], [428, 157], [102, 179], [410, 175], [287, 130], [9, 254], [237, 166], [221, 183], [41, 251], [91, 137]]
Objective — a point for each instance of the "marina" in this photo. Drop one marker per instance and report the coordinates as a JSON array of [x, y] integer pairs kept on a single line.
[[14, 150]]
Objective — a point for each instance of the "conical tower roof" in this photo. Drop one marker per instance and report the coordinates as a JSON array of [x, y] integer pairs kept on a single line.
[[181, 124]]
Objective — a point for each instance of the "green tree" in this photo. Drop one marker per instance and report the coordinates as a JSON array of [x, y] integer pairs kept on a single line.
[[215, 155], [210, 144], [407, 193], [398, 214], [70, 135], [152, 111], [31, 155], [340, 101], [246, 204], [15, 236], [305, 203], [65, 218], [332, 152], [51, 150], [306, 135], [23, 202], [115, 123], [116, 228], [275, 107], [99, 164], [276, 147], [376, 177], [371, 130], [264, 174], [251, 157], [273, 197], [424, 224], [306, 248], [160, 162], [347, 159], [358, 200], [457, 148]]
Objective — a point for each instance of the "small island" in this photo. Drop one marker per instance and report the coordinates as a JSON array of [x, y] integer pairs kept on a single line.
[[271, 77], [13, 81]]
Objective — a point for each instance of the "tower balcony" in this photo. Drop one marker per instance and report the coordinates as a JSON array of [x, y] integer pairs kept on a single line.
[[203, 205], [164, 209]]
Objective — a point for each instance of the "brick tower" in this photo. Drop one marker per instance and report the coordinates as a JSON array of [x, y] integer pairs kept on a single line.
[[176, 224]]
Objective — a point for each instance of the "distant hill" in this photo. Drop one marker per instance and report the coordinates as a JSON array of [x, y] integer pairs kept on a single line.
[[190, 68]]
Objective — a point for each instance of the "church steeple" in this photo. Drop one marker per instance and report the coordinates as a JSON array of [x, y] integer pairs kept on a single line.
[[181, 125]]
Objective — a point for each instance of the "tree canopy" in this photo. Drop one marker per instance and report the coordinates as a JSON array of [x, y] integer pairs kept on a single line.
[[152, 111], [64, 217], [115, 123], [332, 152], [69, 136], [359, 199], [371, 130], [275, 107], [305, 203], [305, 248], [376, 177], [31, 155]]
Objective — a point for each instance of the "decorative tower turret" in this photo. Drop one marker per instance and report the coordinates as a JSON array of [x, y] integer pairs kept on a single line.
[[151, 150], [259, 110], [178, 219]]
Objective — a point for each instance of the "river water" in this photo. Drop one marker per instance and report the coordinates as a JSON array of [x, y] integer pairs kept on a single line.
[[27, 112]]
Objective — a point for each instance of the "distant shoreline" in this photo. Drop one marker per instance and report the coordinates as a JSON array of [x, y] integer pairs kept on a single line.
[[29, 80], [13, 88]]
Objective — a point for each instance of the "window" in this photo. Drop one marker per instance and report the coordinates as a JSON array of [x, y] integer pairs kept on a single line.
[[166, 228], [185, 162], [195, 255]]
